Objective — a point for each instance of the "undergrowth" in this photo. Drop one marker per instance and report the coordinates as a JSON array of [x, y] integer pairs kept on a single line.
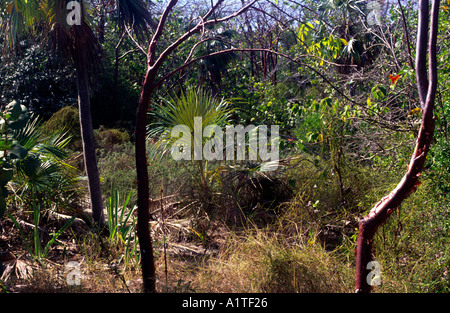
[[304, 244]]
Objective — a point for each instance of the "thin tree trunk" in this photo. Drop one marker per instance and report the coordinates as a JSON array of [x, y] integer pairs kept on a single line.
[[143, 218], [87, 135], [153, 65], [427, 93]]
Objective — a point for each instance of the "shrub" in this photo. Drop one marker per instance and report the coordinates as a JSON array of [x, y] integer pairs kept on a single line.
[[107, 138], [67, 119], [117, 168]]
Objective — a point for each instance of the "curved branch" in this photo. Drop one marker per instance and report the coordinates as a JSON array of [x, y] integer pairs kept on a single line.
[[410, 181], [421, 51]]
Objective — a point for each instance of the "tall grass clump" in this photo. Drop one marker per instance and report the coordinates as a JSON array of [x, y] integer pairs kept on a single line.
[[121, 223], [412, 247], [261, 262]]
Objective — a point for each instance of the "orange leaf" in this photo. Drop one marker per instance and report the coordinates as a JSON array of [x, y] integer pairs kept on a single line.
[[9, 8], [394, 78]]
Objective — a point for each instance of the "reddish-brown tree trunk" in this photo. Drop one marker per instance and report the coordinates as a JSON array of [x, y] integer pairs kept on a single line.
[[153, 65], [143, 215], [427, 92]]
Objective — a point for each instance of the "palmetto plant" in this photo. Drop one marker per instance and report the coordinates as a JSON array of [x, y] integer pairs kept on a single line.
[[182, 110], [36, 163], [80, 44], [43, 167]]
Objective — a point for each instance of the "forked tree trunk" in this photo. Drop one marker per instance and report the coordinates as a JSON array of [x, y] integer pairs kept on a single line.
[[87, 135], [427, 92], [154, 62], [143, 215]]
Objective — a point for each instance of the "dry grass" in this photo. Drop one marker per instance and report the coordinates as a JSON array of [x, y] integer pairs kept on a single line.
[[261, 262], [286, 255]]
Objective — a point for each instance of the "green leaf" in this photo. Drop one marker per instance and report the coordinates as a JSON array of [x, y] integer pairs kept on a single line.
[[383, 90], [14, 109], [18, 151], [20, 122], [327, 102], [57, 234], [5, 145]]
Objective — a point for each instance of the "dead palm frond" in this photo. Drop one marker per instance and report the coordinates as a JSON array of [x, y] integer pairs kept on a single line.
[[135, 13]]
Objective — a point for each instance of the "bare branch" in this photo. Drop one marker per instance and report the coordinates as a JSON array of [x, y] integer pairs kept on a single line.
[[432, 59], [259, 50], [410, 181], [127, 53], [405, 26], [421, 54], [159, 31], [213, 9], [194, 30], [129, 31], [229, 17]]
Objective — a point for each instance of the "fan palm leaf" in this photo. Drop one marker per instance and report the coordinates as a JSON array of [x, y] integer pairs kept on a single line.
[[43, 164], [182, 110], [134, 13]]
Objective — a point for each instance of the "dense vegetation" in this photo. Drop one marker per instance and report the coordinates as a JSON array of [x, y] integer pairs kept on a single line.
[[342, 90]]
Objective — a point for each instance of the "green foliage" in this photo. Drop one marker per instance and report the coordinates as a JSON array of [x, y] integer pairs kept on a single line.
[[37, 80], [42, 167], [115, 160], [121, 223], [348, 114], [440, 165], [271, 106], [182, 110], [14, 118], [410, 249], [33, 162], [107, 138], [116, 167], [38, 251], [68, 120]]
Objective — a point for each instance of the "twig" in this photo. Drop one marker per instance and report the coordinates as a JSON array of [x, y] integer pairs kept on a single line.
[[408, 45], [164, 235]]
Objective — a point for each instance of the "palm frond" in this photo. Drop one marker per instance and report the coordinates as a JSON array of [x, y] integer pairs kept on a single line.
[[72, 41], [40, 164], [22, 19], [86, 48], [135, 13], [33, 139], [182, 110]]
